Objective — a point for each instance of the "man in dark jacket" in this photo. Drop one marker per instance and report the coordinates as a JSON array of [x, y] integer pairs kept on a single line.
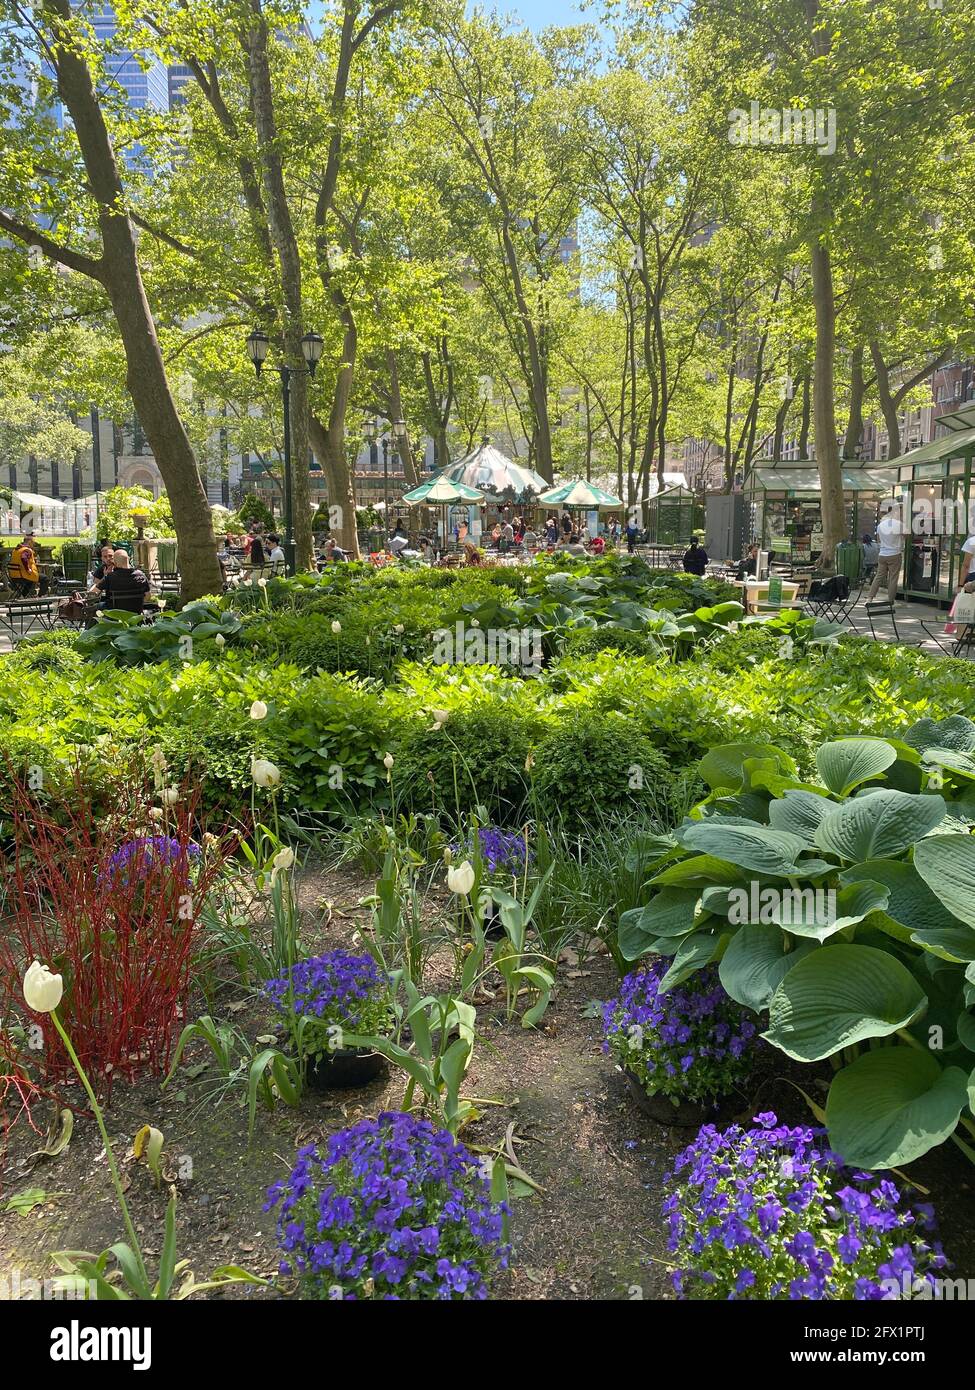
[[696, 558]]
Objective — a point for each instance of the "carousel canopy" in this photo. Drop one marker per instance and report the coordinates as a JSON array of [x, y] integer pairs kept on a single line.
[[493, 473], [443, 490], [580, 494]]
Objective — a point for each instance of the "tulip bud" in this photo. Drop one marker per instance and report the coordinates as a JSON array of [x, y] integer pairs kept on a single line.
[[220, 641], [388, 761], [264, 773], [42, 990], [336, 627], [169, 796], [460, 880], [258, 710]]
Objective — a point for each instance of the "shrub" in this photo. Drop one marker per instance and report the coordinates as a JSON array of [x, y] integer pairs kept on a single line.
[[771, 1213], [394, 1209], [589, 763], [692, 1043], [115, 913]]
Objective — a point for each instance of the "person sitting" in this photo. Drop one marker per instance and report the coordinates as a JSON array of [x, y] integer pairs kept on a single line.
[[332, 553], [276, 557], [123, 586], [228, 561], [748, 568], [106, 563], [426, 550], [23, 573], [529, 539], [472, 556], [695, 558], [398, 541], [597, 545], [574, 546]]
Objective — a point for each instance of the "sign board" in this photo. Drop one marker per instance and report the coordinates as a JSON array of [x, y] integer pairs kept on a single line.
[[963, 610], [774, 591]]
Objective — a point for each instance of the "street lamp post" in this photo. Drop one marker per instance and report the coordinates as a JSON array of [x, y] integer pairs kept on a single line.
[[311, 349]]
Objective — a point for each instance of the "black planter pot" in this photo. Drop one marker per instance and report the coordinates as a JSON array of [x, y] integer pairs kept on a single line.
[[345, 1068], [686, 1114]]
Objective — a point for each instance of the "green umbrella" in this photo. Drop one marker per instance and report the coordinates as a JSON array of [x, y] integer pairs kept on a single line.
[[585, 496], [442, 490]]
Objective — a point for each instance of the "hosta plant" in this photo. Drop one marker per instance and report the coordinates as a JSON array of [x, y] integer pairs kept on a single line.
[[843, 907], [692, 1043], [772, 1213]]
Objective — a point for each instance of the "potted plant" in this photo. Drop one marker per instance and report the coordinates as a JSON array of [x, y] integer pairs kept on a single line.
[[682, 1050], [322, 999], [772, 1213], [391, 1209]]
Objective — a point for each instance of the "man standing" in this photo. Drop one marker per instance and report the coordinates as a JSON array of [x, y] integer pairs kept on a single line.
[[890, 542], [695, 558]]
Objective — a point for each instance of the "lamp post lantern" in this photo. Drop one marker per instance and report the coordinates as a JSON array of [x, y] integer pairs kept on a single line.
[[258, 344]]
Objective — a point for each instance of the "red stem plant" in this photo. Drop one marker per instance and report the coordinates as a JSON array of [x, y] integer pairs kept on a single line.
[[110, 901]]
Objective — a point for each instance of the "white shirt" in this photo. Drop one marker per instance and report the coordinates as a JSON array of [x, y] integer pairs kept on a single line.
[[969, 547], [276, 558], [890, 536]]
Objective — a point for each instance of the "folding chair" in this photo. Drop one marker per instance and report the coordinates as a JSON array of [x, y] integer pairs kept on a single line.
[[882, 610], [835, 610]]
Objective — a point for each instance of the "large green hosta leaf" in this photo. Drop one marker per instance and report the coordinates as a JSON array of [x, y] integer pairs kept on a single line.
[[670, 913], [759, 848], [879, 825], [893, 1105], [845, 764], [800, 812], [947, 865], [699, 867], [692, 953], [756, 962], [954, 732], [822, 913], [839, 995], [724, 766]]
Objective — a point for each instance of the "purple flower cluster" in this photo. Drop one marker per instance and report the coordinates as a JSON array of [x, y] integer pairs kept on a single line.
[[335, 987], [691, 1043], [503, 851], [395, 1209], [772, 1213], [140, 856]]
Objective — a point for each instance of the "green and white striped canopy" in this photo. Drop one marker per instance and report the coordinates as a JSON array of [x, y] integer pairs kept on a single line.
[[580, 494], [441, 490], [494, 474]]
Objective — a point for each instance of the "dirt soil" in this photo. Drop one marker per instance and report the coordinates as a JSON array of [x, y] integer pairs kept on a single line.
[[593, 1232]]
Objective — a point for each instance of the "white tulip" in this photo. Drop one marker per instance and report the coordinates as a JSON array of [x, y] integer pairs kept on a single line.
[[42, 990], [220, 641], [258, 710], [440, 717], [336, 627], [399, 628], [157, 759], [264, 773], [155, 813], [262, 583], [460, 880], [281, 862], [388, 761], [169, 796]]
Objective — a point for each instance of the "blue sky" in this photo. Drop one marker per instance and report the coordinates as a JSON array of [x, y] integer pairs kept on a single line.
[[538, 14]]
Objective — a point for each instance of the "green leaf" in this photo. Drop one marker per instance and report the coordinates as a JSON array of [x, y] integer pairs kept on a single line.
[[947, 865], [167, 1260], [892, 1105], [669, 913], [759, 848], [724, 766], [879, 824], [698, 867], [800, 813], [840, 995], [845, 764], [756, 962], [808, 912], [693, 953], [954, 732]]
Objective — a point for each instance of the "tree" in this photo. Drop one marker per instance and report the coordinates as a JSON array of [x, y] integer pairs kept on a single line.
[[66, 42]]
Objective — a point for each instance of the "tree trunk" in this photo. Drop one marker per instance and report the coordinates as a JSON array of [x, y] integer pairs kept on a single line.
[[119, 272], [887, 406], [804, 417], [854, 425], [824, 407], [329, 446], [403, 446], [286, 251]]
